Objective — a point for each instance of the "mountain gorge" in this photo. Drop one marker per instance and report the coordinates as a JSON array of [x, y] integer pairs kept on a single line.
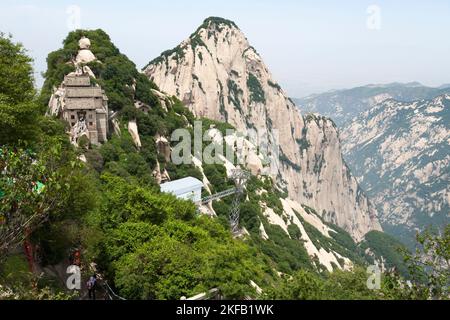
[[399, 153], [218, 75]]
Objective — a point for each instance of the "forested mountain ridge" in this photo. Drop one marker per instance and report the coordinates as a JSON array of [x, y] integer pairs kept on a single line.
[[149, 245]]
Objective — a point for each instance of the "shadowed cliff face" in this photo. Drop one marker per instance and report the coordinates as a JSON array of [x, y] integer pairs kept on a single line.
[[218, 75]]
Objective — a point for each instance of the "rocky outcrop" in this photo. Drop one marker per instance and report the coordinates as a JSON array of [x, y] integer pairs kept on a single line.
[[163, 147], [292, 214], [133, 130], [218, 75], [85, 54]]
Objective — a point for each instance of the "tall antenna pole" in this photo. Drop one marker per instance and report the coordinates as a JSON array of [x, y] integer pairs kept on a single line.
[[240, 178]]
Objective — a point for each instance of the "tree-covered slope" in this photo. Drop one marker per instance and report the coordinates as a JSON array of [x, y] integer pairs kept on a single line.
[[385, 249]]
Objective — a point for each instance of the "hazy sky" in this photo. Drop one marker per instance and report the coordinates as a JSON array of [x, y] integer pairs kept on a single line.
[[309, 46]]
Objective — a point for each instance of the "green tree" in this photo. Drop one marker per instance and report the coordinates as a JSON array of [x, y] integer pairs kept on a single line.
[[18, 110], [15, 65], [429, 265], [29, 191], [155, 247], [348, 285], [303, 285]]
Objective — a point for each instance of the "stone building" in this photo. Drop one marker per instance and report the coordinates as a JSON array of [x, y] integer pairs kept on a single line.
[[86, 109], [83, 106]]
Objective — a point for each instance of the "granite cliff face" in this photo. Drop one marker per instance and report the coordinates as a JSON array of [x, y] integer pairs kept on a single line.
[[218, 75], [399, 153]]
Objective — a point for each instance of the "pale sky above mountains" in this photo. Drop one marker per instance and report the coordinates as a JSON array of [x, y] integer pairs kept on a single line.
[[309, 46]]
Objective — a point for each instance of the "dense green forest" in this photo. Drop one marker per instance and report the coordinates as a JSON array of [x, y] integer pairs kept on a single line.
[[147, 244]]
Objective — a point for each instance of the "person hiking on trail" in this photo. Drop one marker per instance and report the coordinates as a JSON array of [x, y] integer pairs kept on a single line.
[[91, 284]]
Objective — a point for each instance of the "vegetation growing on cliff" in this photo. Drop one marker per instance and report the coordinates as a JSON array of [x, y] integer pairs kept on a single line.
[[381, 244], [234, 94], [256, 91]]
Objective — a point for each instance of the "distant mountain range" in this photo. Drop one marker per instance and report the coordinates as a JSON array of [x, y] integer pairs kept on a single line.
[[343, 105], [444, 86], [399, 152]]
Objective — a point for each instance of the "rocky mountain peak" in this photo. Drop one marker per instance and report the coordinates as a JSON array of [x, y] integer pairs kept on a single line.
[[216, 23], [219, 75], [217, 29]]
